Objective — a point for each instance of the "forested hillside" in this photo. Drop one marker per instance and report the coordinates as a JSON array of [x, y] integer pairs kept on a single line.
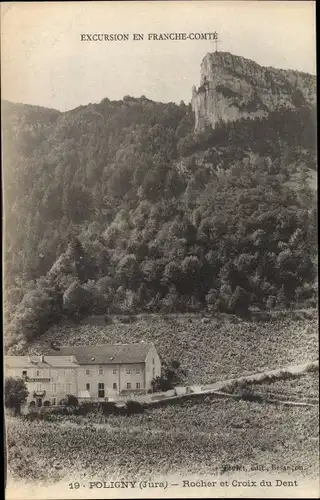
[[120, 207]]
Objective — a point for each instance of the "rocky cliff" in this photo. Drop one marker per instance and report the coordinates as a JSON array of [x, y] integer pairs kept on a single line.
[[232, 87]]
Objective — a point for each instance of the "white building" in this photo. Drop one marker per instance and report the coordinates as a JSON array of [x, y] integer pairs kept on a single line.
[[48, 378], [91, 373]]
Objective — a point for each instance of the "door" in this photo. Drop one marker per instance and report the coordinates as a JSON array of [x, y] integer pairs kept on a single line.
[[101, 391], [39, 402]]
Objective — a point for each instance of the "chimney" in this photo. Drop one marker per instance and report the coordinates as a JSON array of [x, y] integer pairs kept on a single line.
[[72, 359], [42, 358], [29, 359]]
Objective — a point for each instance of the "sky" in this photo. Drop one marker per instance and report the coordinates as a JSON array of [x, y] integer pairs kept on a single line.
[[45, 63]]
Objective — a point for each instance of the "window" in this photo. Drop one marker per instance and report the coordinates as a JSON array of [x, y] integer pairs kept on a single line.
[[87, 372], [24, 373], [153, 371], [101, 390], [54, 388], [69, 388], [114, 371], [114, 385], [128, 385], [128, 371], [88, 387], [153, 361], [138, 385], [138, 371], [54, 401], [39, 387], [37, 373], [100, 371]]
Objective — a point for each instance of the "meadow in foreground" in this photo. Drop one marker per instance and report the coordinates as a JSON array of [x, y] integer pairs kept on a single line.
[[191, 438]]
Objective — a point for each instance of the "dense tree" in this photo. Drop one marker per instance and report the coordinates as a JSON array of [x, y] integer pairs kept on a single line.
[[171, 375], [77, 300], [121, 207], [70, 400], [15, 393]]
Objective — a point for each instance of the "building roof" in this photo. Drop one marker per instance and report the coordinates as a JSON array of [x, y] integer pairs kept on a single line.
[[36, 362], [108, 354]]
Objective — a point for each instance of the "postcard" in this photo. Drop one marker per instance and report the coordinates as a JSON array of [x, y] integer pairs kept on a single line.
[[160, 249]]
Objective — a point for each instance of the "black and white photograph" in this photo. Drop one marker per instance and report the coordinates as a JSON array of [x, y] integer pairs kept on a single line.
[[160, 284]]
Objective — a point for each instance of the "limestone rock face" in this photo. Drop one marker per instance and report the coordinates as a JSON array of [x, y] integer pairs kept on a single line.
[[232, 87]]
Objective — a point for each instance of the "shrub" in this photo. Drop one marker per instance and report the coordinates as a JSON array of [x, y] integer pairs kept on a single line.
[[245, 391], [84, 408], [285, 375], [109, 408], [249, 395], [261, 316], [125, 320], [61, 410], [312, 367], [33, 415], [133, 318], [133, 407], [70, 400], [87, 407], [108, 319]]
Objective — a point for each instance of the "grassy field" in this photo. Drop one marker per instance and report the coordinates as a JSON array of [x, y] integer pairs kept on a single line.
[[303, 388], [192, 438], [225, 347]]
